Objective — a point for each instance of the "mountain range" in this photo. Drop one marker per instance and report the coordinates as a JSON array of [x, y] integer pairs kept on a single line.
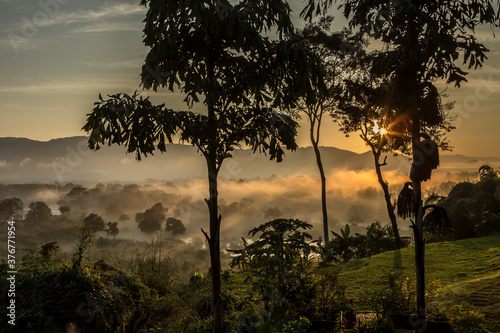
[[70, 160]]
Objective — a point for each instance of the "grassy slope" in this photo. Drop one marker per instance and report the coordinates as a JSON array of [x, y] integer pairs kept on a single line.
[[463, 267]]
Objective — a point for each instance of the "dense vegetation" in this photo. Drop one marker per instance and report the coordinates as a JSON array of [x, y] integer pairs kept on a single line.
[[276, 285], [218, 54]]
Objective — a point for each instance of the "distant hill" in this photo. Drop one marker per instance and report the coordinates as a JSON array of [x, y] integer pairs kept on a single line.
[[68, 159]]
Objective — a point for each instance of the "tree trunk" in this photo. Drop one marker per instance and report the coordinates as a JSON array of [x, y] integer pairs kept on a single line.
[[387, 196], [214, 246], [215, 218], [418, 236], [323, 181]]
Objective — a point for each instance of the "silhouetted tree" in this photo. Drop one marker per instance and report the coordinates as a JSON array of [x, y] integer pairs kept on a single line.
[[423, 41], [175, 226], [64, 210], [112, 229], [94, 223], [364, 107], [11, 209], [77, 193], [335, 49], [152, 219], [487, 172], [216, 50], [38, 213]]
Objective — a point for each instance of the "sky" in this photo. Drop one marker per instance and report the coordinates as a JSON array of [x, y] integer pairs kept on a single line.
[[58, 55]]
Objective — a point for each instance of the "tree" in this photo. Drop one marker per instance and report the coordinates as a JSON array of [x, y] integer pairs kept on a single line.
[[152, 219], [38, 213], [343, 244], [175, 226], [487, 172], [94, 223], [331, 48], [423, 41], [214, 50], [363, 107], [78, 193], [279, 262], [64, 210], [11, 209], [112, 229]]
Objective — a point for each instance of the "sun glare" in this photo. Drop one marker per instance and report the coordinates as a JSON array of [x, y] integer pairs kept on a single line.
[[376, 130]]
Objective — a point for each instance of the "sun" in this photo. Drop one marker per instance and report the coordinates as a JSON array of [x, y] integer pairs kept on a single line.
[[376, 129]]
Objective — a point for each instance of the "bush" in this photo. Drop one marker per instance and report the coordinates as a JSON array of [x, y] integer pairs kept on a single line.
[[279, 266], [399, 296], [466, 318]]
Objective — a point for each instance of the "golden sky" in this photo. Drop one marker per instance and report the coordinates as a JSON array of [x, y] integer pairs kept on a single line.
[[57, 55]]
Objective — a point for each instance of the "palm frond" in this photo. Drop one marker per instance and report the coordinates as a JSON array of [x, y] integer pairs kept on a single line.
[[406, 203], [436, 220]]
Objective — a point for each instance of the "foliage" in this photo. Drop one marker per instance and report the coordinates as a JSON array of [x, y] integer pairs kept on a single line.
[[175, 226], [278, 262], [154, 269], [84, 243], [75, 198], [330, 297], [376, 325], [77, 193], [474, 208], [64, 210], [11, 209], [331, 48], [397, 296], [43, 259], [152, 219], [112, 229], [94, 222], [216, 50], [51, 295], [378, 239], [38, 213], [487, 172], [437, 224], [344, 247], [466, 317], [422, 42]]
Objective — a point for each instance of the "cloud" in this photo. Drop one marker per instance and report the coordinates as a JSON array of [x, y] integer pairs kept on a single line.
[[78, 85], [130, 63], [108, 27], [98, 20], [82, 16]]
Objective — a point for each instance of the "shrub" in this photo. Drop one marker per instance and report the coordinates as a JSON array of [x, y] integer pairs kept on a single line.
[[279, 266], [466, 318]]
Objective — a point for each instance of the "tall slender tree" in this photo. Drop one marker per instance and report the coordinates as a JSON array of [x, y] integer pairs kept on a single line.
[[215, 52], [364, 107], [334, 48], [423, 42]]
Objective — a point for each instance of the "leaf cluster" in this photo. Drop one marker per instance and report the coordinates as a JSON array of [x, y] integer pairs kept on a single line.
[[143, 127]]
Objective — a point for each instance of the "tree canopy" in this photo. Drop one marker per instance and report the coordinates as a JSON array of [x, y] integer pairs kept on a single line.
[[216, 53], [11, 209], [38, 213]]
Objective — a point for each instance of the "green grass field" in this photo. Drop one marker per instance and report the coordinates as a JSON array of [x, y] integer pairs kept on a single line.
[[468, 270]]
